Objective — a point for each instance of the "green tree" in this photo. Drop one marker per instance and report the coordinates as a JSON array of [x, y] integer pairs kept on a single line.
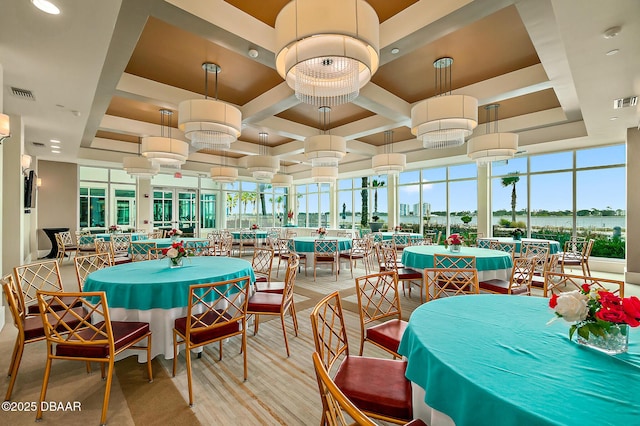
[[364, 219], [246, 198], [510, 181], [375, 184]]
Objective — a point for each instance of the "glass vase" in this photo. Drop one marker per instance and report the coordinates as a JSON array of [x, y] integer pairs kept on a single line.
[[174, 238], [175, 262], [455, 248], [615, 341]]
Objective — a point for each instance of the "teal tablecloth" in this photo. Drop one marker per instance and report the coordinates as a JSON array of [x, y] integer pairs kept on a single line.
[[305, 244], [554, 246], [249, 234], [152, 284], [491, 360], [389, 235], [166, 242], [420, 257]]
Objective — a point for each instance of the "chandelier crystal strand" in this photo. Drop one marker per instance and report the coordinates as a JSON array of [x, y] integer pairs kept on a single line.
[[389, 162], [328, 81]]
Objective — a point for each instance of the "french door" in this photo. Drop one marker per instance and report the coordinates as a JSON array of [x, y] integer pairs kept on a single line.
[[176, 208]]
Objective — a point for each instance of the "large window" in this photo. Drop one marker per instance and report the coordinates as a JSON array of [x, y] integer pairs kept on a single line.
[[313, 204], [92, 207]]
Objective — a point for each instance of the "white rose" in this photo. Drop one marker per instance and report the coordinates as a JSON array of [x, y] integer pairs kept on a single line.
[[572, 306], [178, 232], [171, 253]]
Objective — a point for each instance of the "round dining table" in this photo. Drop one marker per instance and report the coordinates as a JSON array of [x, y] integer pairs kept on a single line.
[[166, 242], [306, 244], [493, 360], [554, 246], [491, 264], [152, 292], [389, 235]]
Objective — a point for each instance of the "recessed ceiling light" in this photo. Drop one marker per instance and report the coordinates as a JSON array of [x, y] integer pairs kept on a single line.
[[54, 141], [395, 50], [55, 151], [613, 118], [55, 146], [612, 52], [612, 32], [46, 6]]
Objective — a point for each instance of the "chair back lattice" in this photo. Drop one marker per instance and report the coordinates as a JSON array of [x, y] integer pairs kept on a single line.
[[67, 240], [90, 326], [485, 242], [345, 234], [507, 247], [360, 246], [121, 243], [445, 282], [443, 260], [140, 250], [335, 404], [364, 232], [538, 249], [216, 305], [421, 241], [388, 257], [199, 248], [102, 246], [401, 240], [377, 237], [289, 281], [90, 263], [522, 273], [291, 234], [378, 298], [156, 233], [157, 253], [325, 247], [556, 283], [262, 262], [84, 241], [329, 332], [37, 276], [15, 301]]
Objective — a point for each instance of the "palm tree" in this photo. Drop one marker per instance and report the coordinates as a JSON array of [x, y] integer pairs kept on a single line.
[[511, 180], [375, 184]]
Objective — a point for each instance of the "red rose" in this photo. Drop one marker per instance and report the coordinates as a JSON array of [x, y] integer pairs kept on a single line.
[[164, 251], [553, 302], [586, 288], [631, 307], [612, 315], [609, 300]]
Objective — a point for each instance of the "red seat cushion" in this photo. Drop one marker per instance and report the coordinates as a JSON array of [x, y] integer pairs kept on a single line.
[[376, 385], [124, 333], [119, 260], [33, 327], [272, 287], [501, 286], [56, 306], [206, 335], [387, 334], [409, 274], [265, 302], [323, 258]]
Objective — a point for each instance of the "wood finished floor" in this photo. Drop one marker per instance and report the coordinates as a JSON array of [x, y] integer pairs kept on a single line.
[[279, 390]]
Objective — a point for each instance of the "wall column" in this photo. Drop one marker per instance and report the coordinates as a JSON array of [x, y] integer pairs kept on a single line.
[[632, 274], [13, 190], [484, 202], [144, 213]]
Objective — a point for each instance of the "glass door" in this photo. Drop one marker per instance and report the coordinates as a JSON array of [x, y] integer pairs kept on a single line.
[[176, 208]]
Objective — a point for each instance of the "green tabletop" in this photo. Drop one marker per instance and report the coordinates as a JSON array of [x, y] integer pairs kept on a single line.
[[420, 257], [152, 284], [166, 242], [554, 246], [305, 244], [88, 239], [492, 360], [389, 235]]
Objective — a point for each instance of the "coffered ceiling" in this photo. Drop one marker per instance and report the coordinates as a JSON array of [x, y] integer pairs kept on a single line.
[[101, 71]]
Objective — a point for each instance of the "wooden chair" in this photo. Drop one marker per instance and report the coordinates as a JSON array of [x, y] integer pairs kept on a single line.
[[157, 253], [557, 282], [30, 278], [216, 311], [84, 242], [140, 250], [577, 253], [376, 386], [246, 240], [88, 264], [507, 247], [444, 282], [485, 242], [359, 251], [326, 251], [406, 275], [401, 241], [199, 248], [266, 303], [277, 286], [518, 283], [121, 245], [443, 260], [338, 405], [30, 328], [156, 233], [378, 301], [262, 262], [78, 337], [540, 250], [65, 246]]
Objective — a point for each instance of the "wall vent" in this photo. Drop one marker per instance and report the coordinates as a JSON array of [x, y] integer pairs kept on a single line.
[[38, 144], [23, 93], [625, 102]]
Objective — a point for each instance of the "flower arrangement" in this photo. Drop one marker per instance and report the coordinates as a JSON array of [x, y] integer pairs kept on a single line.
[[397, 228], [322, 231], [517, 233], [174, 233], [176, 252], [114, 228], [454, 240], [290, 214], [255, 226], [375, 218], [595, 312]]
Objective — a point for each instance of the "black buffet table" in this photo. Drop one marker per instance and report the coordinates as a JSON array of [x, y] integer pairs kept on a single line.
[[51, 233]]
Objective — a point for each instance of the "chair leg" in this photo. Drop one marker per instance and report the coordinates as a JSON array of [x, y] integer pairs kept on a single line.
[[175, 352], [292, 309], [149, 370], [219, 351], [361, 345], [16, 365], [256, 323], [187, 355], [284, 331], [43, 391], [13, 356], [107, 393], [244, 348]]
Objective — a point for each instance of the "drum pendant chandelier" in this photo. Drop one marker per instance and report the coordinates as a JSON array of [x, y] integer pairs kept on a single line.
[[164, 150], [389, 162], [327, 49], [208, 123], [324, 174], [325, 150], [263, 166], [222, 173], [490, 147], [140, 166], [445, 120]]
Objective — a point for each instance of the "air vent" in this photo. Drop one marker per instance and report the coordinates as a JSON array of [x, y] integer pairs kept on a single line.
[[23, 93], [625, 102], [38, 144]]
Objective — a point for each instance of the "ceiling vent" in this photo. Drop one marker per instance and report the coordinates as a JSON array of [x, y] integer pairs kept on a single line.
[[38, 144], [23, 93], [625, 102]]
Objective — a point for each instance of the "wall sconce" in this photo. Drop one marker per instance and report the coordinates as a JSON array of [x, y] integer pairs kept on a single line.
[[38, 182], [5, 127], [25, 161]]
